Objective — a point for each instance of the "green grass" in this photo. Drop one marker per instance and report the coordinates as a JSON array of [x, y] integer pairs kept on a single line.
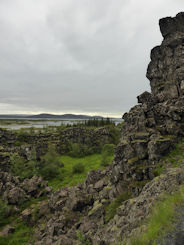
[[158, 170], [21, 236], [68, 178], [161, 219]]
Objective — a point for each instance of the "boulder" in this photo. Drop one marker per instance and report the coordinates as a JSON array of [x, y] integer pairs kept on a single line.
[[15, 196]]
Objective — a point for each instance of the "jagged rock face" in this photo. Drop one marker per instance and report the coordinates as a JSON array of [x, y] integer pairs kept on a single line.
[[152, 127], [166, 69]]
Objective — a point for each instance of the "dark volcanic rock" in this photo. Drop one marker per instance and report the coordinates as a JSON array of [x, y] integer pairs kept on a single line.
[[171, 25], [165, 70], [15, 192]]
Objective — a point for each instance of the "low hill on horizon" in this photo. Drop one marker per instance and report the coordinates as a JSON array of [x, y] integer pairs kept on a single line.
[[48, 116]]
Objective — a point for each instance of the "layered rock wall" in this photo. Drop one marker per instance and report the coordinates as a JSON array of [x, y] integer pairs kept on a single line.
[[23, 144]]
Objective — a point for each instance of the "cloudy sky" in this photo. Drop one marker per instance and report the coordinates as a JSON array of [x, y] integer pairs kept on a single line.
[[84, 56]]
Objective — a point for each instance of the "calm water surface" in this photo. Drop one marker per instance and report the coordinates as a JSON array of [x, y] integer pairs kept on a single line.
[[42, 123]]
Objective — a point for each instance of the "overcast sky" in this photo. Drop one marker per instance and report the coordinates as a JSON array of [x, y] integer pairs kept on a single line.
[[77, 56]]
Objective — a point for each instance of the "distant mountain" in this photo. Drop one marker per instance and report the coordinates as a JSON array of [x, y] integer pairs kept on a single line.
[[49, 116], [64, 116]]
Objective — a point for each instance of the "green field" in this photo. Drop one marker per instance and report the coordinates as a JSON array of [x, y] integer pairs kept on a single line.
[[68, 178]]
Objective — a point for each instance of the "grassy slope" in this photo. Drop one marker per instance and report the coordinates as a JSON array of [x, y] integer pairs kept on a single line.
[[161, 219], [67, 178]]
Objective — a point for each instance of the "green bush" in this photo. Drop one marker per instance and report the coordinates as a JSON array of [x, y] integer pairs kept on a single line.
[[22, 168], [115, 133], [105, 160], [75, 150], [78, 168], [49, 166], [80, 150], [107, 151]]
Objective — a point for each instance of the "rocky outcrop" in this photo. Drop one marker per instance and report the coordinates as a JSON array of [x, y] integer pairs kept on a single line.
[[165, 71], [152, 127], [15, 192]]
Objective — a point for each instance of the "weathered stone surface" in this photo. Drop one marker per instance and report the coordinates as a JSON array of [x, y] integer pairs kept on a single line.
[[15, 196], [78, 200], [26, 216], [33, 186]]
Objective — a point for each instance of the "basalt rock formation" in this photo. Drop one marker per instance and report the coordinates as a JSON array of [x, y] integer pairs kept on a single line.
[[77, 215], [24, 143]]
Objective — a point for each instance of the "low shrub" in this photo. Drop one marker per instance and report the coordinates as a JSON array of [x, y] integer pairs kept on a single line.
[[108, 149], [107, 152], [49, 166], [78, 168], [22, 168], [115, 133], [80, 150]]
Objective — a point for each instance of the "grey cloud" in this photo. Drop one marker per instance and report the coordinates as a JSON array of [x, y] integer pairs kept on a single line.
[[77, 56]]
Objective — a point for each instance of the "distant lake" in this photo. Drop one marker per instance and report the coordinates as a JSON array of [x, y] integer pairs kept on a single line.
[[15, 124]]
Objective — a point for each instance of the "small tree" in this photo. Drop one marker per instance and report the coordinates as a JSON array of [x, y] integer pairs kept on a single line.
[[49, 167], [107, 151], [21, 168], [18, 165]]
